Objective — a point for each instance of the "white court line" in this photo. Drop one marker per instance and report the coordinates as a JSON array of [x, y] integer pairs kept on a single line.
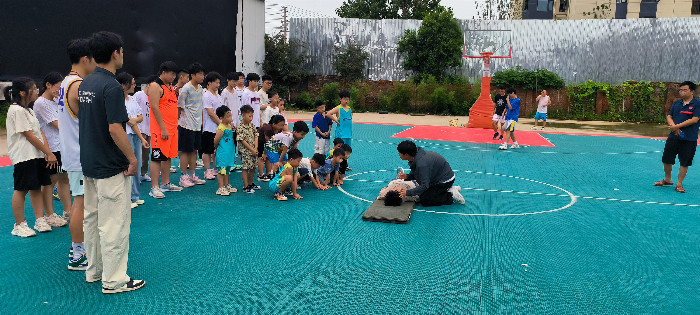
[[571, 203]]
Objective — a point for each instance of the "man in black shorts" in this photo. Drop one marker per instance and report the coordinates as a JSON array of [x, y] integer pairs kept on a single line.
[[682, 141]]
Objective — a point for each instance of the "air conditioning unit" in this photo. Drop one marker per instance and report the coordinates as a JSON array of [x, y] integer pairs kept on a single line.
[[3, 86]]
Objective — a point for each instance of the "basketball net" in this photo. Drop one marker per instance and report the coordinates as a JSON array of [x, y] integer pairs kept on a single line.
[[481, 113]]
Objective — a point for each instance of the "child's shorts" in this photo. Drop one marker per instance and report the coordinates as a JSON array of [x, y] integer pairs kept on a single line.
[[76, 182], [225, 170], [274, 157], [31, 175], [541, 116], [249, 162], [510, 125], [274, 185]]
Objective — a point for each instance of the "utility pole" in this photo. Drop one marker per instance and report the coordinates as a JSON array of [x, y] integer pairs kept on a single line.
[[285, 28]]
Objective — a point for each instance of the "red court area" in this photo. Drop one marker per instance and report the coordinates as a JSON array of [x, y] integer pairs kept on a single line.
[[5, 161], [472, 135]]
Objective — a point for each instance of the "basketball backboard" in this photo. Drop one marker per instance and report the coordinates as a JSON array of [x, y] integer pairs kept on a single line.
[[497, 42]]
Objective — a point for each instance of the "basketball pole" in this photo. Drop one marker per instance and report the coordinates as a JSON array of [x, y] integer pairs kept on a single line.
[[481, 113]]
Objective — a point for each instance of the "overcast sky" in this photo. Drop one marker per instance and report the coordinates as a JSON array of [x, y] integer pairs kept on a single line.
[[463, 9]]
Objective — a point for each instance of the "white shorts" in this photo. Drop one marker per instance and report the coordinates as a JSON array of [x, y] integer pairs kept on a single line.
[[499, 118], [322, 146], [76, 179]]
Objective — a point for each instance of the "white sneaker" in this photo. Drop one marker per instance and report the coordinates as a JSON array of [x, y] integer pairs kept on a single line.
[[533, 128], [170, 187], [41, 225], [222, 191], [140, 202], [156, 193], [134, 205], [66, 215], [200, 163], [542, 128], [173, 170], [503, 146], [230, 188], [515, 146], [56, 220], [22, 230], [456, 196]]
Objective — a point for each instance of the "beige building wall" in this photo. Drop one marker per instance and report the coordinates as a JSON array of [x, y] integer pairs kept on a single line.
[[578, 9]]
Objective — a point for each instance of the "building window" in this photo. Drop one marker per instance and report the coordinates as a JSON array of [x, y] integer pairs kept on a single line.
[[542, 5], [647, 9], [695, 8], [621, 9], [564, 5]]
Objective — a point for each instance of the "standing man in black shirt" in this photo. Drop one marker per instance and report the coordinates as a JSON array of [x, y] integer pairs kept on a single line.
[[107, 161], [499, 112]]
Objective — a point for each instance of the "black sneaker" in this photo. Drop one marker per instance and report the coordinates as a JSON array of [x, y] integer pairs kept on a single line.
[[263, 178], [131, 285], [500, 138], [495, 135], [249, 190], [288, 193], [348, 169], [255, 187]]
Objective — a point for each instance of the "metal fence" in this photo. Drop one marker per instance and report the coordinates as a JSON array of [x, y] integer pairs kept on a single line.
[[611, 51]]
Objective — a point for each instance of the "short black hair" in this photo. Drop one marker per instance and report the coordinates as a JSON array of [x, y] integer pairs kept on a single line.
[[20, 84], [344, 94], [151, 79], [222, 110], [252, 77], [300, 126], [211, 77], [124, 78], [501, 88], [168, 66], [689, 84], [51, 78], [276, 119], [319, 158], [103, 44], [232, 76], [294, 154], [271, 93], [239, 75], [339, 152], [266, 77], [319, 103], [510, 91], [246, 109], [195, 68], [407, 147], [79, 48], [392, 199], [338, 141], [346, 147]]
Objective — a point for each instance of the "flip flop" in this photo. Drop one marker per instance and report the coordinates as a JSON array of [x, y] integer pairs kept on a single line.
[[663, 182], [680, 189]]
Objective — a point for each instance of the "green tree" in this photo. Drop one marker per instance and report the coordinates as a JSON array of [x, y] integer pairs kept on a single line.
[[387, 9], [284, 60], [435, 47], [350, 62]]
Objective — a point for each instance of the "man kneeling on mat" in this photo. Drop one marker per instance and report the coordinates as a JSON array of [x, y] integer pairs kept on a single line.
[[433, 175]]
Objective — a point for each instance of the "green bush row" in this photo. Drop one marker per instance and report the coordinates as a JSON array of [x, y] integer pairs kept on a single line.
[[643, 101]]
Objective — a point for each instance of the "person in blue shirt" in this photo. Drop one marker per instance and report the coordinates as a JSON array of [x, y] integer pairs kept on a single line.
[[511, 119], [683, 120], [322, 124]]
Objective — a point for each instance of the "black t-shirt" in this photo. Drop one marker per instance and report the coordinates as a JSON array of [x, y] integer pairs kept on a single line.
[[501, 103], [101, 103]]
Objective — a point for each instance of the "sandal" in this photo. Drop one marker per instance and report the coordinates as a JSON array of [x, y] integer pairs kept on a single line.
[[280, 197], [680, 189], [663, 182]]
